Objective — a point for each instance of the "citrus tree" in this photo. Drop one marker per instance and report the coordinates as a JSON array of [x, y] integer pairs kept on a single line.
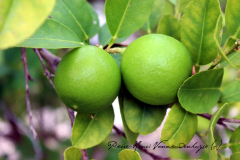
[[178, 64]]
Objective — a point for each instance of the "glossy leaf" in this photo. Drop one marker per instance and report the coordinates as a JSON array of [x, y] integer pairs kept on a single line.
[[141, 117], [170, 26], [235, 156], [129, 154], [212, 151], [155, 16], [234, 58], [88, 132], [131, 136], [232, 16], [52, 34], [181, 5], [218, 38], [105, 36], [21, 19], [76, 15], [95, 28], [235, 139], [231, 93], [198, 25], [180, 127], [72, 153], [200, 93], [126, 16]]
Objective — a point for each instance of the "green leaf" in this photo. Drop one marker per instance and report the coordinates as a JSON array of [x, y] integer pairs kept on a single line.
[[180, 127], [217, 39], [170, 26], [156, 14], [52, 34], [141, 117], [88, 132], [198, 25], [232, 16], [212, 151], [20, 19], [131, 136], [231, 93], [200, 93], [129, 154], [95, 28], [105, 36], [234, 58], [235, 156], [174, 2], [76, 15], [169, 8], [181, 5], [126, 16], [230, 42], [235, 139], [72, 153]]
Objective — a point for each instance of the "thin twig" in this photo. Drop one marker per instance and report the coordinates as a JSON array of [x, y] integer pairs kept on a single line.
[[155, 157], [221, 121], [19, 124], [46, 72], [28, 77]]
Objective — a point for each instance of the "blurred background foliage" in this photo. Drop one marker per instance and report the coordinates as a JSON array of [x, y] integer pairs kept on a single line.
[[50, 116]]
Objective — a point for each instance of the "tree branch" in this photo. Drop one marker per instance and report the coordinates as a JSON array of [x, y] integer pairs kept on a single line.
[[28, 77], [155, 157], [221, 121], [52, 62]]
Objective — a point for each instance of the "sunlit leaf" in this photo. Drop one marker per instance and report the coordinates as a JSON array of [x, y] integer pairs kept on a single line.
[[200, 93], [52, 34], [198, 25], [211, 141], [126, 16], [76, 15], [232, 15], [129, 154], [88, 132], [180, 127], [72, 153], [19, 19]]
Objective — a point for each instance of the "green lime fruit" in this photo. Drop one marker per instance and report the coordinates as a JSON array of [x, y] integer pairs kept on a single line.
[[235, 156], [154, 66], [87, 79]]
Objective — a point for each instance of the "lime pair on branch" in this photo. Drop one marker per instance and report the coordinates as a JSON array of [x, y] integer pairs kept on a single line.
[[152, 67]]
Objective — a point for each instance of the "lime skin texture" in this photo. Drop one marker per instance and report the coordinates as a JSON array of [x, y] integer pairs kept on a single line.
[[87, 79], [154, 66]]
